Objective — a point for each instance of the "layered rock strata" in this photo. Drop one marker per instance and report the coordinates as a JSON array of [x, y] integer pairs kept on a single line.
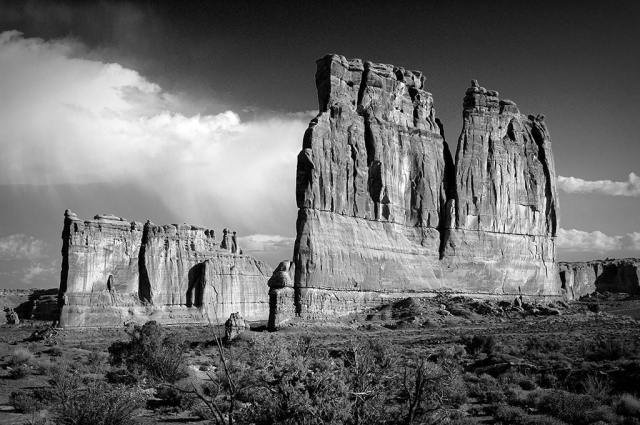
[[115, 271], [384, 211], [584, 278]]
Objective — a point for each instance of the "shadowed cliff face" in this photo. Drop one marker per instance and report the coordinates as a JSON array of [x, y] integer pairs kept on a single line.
[[384, 210], [115, 271]]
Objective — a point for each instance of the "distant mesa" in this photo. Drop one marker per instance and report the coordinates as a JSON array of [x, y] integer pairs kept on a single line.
[[586, 277], [116, 272], [384, 210]]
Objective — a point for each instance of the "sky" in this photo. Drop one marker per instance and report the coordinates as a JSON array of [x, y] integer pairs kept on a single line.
[[195, 111]]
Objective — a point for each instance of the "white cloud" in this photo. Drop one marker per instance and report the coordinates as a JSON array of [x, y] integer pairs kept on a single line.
[[262, 243], [22, 247], [596, 241], [603, 187], [66, 119]]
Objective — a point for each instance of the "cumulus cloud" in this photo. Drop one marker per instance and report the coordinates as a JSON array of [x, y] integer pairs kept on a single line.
[[603, 187], [69, 118], [262, 243], [596, 241], [22, 247]]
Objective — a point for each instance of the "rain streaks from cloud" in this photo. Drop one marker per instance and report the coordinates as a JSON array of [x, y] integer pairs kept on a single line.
[[67, 119]]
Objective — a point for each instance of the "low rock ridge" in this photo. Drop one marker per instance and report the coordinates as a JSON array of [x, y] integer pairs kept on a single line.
[[610, 275], [384, 209], [115, 271]]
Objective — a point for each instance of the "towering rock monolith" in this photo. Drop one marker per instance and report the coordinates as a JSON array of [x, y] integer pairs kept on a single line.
[[115, 271], [504, 212], [383, 210]]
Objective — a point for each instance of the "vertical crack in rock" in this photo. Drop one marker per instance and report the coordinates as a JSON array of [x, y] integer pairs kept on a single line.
[[144, 285]]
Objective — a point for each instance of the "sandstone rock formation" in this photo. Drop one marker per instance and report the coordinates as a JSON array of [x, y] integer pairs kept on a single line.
[[30, 304], [584, 278], [115, 271], [234, 326], [384, 211]]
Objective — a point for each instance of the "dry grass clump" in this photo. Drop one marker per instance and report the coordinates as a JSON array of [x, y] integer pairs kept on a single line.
[[20, 356], [628, 405]]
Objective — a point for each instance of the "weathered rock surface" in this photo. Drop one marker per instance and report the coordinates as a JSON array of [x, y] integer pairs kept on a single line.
[[384, 211], [584, 278], [30, 304], [234, 326], [115, 271]]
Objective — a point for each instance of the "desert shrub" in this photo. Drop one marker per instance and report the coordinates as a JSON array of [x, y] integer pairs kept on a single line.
[[55, 351], [579, 409], [535, 344], [549, 380], [20, 356], [29, 401], [509, 414], [628, 405], [297, 382], [516, 396], [599, 349], [96, 362], [95, 402], [598, 387], [430, 390], [480, 344], [20, 371], [178, 397], [487, 389], [150, 353], [517, 416]]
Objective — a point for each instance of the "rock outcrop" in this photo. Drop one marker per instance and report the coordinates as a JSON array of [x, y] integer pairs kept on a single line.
[[30, 304], [234, 326], [584, 278], [384, 211], [115, 271]]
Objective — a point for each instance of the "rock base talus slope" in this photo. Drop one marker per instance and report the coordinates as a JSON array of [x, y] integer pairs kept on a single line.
[[384, 211], [584, 278], [115, 271]]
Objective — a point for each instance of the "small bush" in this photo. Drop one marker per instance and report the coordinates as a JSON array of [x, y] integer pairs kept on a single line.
[[487, 389], [20, 356], [535, 344], [176, 398], [20, 371], [55, 351], [96, 402], [578, 409], [96, 362], [150, 353], [480, 344], [629, 406], [600, 349], [549, 380], [598, 387]]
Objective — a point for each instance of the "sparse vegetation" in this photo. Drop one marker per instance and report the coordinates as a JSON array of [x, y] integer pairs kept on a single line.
[[519, 372]]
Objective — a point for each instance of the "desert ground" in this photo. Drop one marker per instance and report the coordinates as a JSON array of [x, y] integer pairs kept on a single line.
[[435, 360]]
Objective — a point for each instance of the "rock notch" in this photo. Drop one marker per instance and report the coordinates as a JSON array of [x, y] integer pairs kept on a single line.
[[383, 210], [115, 271]]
